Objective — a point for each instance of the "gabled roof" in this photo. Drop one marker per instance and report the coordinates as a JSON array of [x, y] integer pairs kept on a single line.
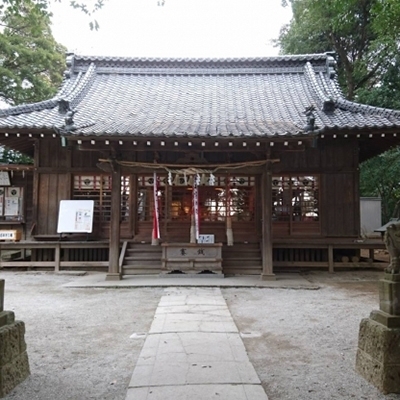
[[259, 97]]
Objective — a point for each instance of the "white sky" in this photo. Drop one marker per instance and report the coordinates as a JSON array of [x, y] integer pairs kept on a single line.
[[180, 28]]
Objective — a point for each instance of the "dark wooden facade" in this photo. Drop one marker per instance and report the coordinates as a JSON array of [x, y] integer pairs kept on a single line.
[[334, 162]]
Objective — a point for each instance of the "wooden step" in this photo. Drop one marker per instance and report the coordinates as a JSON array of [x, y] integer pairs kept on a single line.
[[242, 259], [142, 259]]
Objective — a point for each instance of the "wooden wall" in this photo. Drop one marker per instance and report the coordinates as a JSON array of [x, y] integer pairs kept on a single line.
[[334, 160], [52, 189], [336, 163], [23, 179]]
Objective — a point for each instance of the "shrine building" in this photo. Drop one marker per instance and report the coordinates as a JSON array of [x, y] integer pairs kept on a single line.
[[231, 166]]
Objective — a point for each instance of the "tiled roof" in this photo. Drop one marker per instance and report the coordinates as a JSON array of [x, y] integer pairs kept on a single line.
[[258, 97]]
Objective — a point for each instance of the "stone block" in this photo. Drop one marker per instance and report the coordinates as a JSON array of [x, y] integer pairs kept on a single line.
[[14, 365], [379, 342], [6, 318], [389, 294], [5, 348], [21, 330], [14, 373], [388, 320], [378, 355]]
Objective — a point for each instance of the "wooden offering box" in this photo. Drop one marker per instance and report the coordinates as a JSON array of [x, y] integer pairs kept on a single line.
[[192, 258]]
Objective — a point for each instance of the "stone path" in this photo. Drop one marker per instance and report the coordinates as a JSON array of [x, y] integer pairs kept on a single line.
[[194, 352]]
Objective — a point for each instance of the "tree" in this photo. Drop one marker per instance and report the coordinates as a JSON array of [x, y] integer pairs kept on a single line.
[[89, 7], [386, 93], [379, 176], [365, 34], [31, 61], [350, 28]]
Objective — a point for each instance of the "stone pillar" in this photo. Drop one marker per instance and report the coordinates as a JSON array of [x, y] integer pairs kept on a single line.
[[378, 353], [14, 365]]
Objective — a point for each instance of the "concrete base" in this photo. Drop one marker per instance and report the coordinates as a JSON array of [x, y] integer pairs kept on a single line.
[[113, 277], [268, 277], [378, 355], [191, 276]]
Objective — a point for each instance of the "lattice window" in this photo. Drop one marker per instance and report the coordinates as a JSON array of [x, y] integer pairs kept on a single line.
[[214, 202], [145, 197], [295, 198], [98, 188], [181, 203]]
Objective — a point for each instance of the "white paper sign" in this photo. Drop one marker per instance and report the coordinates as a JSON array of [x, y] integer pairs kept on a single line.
[[11, 206], [75, 216], [206, 239], [4, 178]]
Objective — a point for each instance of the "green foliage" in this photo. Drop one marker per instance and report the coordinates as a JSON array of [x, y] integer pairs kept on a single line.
[[8, 156], [365, 34], [380, 177], [348, 27], [386, 93], [88, 7], [31, 61]]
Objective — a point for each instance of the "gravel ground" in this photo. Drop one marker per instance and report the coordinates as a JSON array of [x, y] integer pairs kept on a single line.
[[82, 343], [78, 340]]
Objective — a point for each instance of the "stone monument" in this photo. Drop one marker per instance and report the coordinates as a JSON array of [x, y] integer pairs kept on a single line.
[[378, 353], [14, 365]]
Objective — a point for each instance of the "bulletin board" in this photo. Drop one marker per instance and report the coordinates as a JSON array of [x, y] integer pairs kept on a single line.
[[11, 203], [75, 216]]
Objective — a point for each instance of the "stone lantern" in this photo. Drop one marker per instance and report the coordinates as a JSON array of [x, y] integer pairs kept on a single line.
[[378, 353]]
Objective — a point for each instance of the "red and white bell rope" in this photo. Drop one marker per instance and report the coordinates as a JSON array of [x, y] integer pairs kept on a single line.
[[156, 215], [196, 182]]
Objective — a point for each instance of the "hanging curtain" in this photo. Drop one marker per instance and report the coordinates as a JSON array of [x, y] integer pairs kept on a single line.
[[156, 215]]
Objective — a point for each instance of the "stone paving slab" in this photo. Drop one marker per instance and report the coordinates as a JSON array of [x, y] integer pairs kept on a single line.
[[181, 322], [198, 392], [192, 311], [194, 351]]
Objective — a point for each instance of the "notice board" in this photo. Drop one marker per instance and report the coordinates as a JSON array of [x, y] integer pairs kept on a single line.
[[75, 216]]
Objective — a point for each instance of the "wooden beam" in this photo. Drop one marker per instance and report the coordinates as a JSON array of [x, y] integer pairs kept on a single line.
[[57, 258], [122, 255], [267, 250], [113, 262], [330, 259], [35, 195], [133, 204]]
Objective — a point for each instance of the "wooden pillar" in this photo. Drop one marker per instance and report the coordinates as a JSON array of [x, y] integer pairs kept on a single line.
[[113, 258], [330, 259], [35, 196], [133, 204], [57, 258], [266, 220]]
